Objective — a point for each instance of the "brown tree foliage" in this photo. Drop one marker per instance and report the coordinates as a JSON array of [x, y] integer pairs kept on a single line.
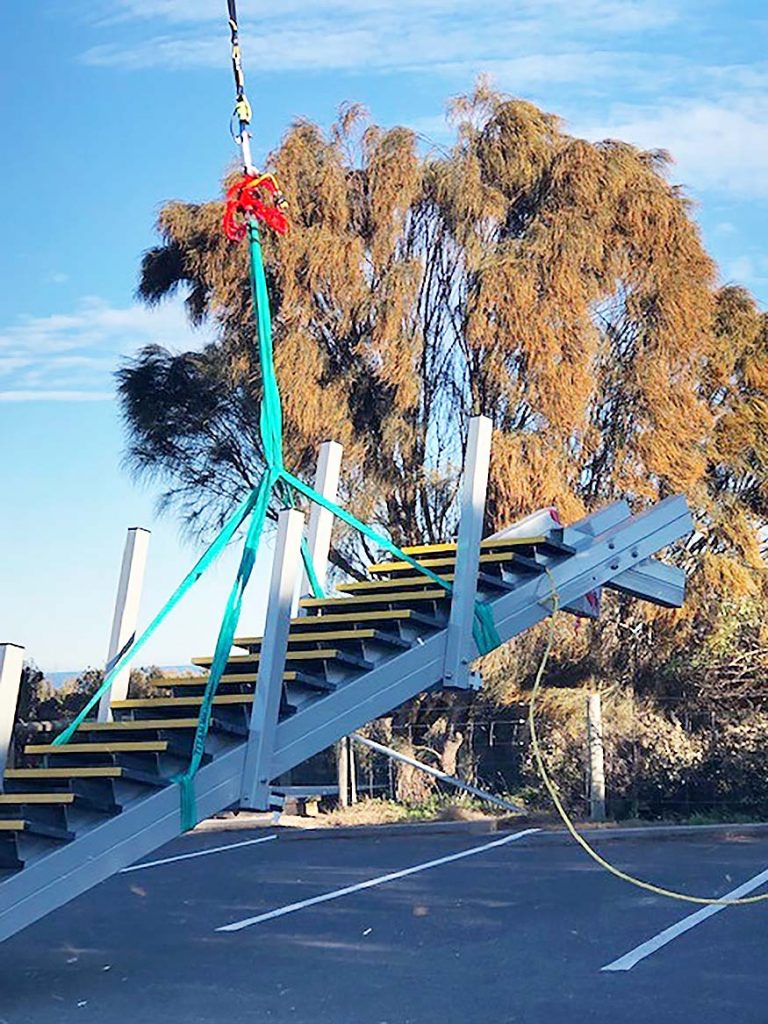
[[558, 286]]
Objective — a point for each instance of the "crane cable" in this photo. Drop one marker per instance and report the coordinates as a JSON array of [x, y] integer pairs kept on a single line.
[[551, 788], [242, 112]]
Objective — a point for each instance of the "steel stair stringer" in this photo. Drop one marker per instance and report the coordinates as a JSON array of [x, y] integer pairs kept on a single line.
[[142, 826]]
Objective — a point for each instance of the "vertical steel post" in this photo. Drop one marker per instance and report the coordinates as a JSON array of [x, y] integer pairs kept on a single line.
[[596, 761], [126, 614], [320, 519], [459, 637], [11, 664], [269, 682]]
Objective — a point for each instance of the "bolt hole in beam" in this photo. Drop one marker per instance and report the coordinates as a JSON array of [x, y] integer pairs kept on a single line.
[[393, 876]]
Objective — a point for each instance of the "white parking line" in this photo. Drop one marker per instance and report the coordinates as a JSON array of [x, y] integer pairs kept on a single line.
[[197, 853], [628, 961], [237, 926]]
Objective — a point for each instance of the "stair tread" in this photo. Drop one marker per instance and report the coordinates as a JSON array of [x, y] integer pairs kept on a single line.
[[389, 616], [242, 677], [12, 799], [103, 771], [36, 827], [385, 597], [403, 582], [499, 544], [308, 637], [180, 702], [316, 654], [444, 561], [139, 725], [138, 746]]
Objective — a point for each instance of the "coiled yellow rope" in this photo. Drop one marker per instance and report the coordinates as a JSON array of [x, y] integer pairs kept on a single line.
[[552, 790]]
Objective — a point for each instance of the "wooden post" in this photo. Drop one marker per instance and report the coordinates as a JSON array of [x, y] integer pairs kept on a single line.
[[596, 760], [342, 771]]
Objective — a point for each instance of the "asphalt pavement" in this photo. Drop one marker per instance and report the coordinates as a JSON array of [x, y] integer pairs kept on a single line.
[[514, 931]]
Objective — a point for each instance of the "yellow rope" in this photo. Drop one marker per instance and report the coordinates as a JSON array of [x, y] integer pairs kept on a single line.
[[551, 789]]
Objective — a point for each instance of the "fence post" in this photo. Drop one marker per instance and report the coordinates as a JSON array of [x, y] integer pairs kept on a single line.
[[476, 467], [126, 614], [596, 762], [269, 681], [11, 664], [342, 771]]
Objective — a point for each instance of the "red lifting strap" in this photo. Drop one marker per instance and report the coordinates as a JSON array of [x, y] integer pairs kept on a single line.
[[246, 198]]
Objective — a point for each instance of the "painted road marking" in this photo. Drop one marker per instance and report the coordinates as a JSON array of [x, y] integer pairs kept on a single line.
[[197, 853], [290, 908], [628, 961]]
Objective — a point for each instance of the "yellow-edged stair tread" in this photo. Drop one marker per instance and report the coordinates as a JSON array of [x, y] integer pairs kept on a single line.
[[36, 798], [444, 562], [346, 602], [119, 747], [351, 617], [404, 582], [136, 726], [180, 702], [106, 772], [202, 680], [12, 826], [301, 638], [318, 654], [196, 680], [498, 544]]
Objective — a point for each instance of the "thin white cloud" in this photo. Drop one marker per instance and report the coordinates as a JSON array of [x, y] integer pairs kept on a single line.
[[56, 396], [719, 145], [382, 35], [71, 356], [610, 15], [751, 270]]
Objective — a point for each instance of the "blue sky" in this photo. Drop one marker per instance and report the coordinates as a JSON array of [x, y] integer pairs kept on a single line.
[[110, 108]]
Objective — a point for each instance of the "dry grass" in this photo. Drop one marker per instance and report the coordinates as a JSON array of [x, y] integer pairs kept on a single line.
[[378, 811]]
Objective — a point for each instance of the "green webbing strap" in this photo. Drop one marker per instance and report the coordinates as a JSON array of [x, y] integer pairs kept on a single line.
[[224, 643], [255, 506], [207, 559], [309, 566], [271, 428]]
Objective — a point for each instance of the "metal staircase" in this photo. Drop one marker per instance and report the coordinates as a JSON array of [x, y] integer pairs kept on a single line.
[[76, 814]]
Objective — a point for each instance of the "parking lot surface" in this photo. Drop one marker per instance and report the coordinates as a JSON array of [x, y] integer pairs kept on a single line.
[[410, 930]]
